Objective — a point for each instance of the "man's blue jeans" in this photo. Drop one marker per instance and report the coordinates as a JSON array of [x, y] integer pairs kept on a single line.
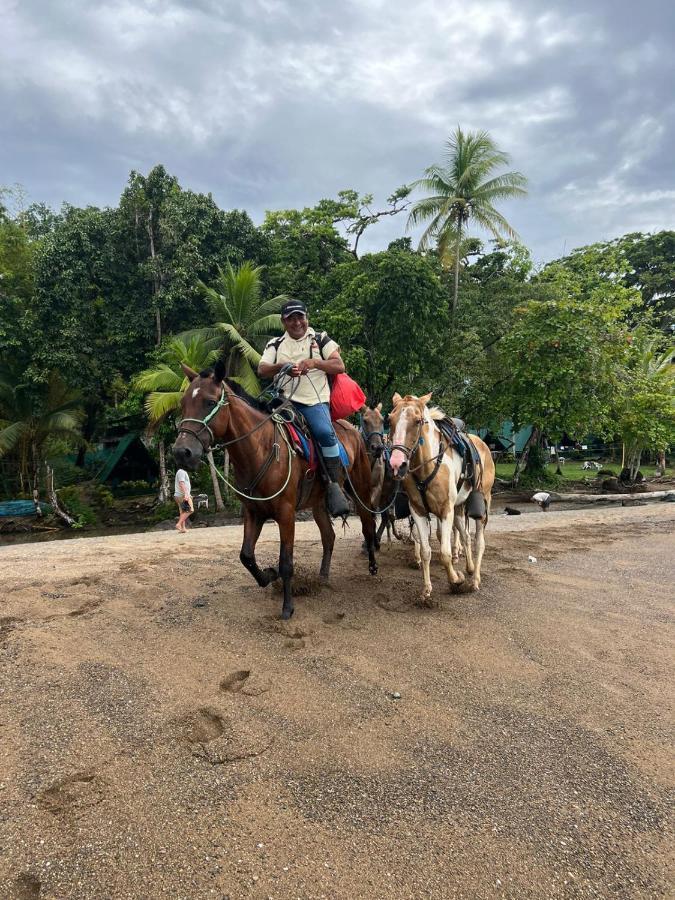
[[318, 419]]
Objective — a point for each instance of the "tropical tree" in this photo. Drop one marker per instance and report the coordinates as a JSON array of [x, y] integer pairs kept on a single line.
[[165, 383], [646, 415], [30, 419], [465, 187], [244, 321]]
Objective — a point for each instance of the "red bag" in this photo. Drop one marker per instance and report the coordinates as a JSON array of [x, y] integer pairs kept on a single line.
[[346, 397]]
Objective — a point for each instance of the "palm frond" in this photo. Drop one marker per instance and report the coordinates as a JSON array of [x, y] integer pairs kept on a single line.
[[160, 404], [11, 435]]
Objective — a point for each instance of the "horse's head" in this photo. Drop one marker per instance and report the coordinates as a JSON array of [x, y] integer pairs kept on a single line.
[[372, 429], [406, 424], [204, 407]]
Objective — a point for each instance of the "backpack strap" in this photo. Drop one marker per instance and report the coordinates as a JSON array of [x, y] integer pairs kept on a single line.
[[322, 340], [275, 342]]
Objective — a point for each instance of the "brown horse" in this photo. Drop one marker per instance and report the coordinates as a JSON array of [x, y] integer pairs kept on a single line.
[[420, 455], [273, 480]]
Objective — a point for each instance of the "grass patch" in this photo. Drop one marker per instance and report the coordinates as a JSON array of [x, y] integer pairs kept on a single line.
[[571, 471]]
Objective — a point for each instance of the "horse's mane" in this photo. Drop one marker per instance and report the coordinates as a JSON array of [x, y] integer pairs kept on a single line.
[[437, 413], [237, 389]]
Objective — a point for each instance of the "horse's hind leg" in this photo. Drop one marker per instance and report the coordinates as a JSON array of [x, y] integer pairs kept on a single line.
[[287, 537], [461, 527], [252, 527], [322, 519]]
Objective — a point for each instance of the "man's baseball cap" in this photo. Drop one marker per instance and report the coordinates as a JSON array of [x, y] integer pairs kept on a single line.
[[293, 307]]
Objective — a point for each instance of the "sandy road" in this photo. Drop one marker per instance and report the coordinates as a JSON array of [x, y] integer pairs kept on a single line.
[[163, 734]]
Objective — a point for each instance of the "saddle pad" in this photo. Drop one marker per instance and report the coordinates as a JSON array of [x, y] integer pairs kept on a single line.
[[459, 440], [308, 450]]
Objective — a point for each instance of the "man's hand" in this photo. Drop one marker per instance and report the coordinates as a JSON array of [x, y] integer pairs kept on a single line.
[[305, 365]]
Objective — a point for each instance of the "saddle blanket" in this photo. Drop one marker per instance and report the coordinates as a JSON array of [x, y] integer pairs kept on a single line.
[[308, 450], [460, 441]]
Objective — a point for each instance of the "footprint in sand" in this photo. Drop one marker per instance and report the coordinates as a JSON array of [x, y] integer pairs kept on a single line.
[[72, 793], [7, 625], [27, 887], [235, 681], [87, 606], [201, 726]]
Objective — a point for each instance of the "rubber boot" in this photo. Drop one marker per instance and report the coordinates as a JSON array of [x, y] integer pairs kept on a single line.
[[336, 502]]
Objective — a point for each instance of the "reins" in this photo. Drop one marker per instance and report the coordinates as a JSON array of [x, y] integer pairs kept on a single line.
[[278, 421]]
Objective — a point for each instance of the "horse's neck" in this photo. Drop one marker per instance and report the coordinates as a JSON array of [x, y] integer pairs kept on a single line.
[[428, 452], [243, 421]]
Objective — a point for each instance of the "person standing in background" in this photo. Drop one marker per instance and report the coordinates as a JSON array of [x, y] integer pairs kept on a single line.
[[182, 494]]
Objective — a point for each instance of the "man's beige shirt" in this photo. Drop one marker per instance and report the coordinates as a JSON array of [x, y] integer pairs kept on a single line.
[[310, 388]]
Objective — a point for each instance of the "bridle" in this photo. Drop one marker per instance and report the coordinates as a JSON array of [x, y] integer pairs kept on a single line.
[[204, 423], [367, 435], [409, 452]]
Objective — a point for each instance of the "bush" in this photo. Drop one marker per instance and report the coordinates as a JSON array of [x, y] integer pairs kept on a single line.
[[103, 496], [72, 498], [132, 488]]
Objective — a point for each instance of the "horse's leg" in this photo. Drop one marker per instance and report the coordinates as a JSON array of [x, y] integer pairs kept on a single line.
[[480, 546], [360, 479], [287, 537], [423, 547], [252, 527], [322, 519], [454, 577], [461, 527]]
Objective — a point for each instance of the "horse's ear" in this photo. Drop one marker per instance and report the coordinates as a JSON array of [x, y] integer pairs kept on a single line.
[[396, 398], [379, 407], [364, 409], [427, 397], [219, 371], [190, 373]]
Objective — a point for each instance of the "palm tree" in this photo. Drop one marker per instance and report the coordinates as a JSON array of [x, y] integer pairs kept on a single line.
[[648, 415], [29, 421], [165, 384], [464, 188], [243, 322]]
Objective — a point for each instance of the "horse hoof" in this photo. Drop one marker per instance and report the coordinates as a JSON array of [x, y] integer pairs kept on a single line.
[[269, 575], [287, 613], [372, 570]]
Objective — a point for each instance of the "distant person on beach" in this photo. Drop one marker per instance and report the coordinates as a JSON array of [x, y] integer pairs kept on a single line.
[[182, 494]]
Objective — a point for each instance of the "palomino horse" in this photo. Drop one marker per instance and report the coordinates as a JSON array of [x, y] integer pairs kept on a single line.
[[422, 458], [272, 479]]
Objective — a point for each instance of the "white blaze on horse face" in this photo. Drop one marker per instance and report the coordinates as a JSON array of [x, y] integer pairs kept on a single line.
[[398, 457], [195, 392]]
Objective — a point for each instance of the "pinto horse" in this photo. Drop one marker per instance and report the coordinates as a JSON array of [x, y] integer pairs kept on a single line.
[[273, 480], [421, 457]]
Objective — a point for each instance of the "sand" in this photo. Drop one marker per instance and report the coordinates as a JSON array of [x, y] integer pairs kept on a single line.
[[164, 734]]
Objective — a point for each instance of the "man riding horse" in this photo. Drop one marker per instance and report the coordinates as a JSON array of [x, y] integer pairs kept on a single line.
[[308, 360]]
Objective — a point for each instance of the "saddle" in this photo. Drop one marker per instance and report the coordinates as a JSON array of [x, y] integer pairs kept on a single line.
[[301, 437], [453, 430]]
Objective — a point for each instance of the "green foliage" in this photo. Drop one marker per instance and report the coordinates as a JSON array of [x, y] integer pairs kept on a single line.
[[165, 383], [74, 501], [465, 187], [564, 353], [30, 419], [132, 488], [244, 321], [389, 315], [103, 496], [645, 407]]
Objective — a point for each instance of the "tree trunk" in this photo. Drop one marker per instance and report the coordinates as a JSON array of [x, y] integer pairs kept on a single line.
[[456, 294], [220, 506], [661, 461], [164, 486], [633, 458], [156, 282], [533, 439], [53, 499]]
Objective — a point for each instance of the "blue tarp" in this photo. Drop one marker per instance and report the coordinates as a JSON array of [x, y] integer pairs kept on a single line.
[[18, 508]]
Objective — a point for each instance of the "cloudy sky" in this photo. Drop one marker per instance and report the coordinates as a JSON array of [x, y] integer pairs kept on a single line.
[[278, 103]]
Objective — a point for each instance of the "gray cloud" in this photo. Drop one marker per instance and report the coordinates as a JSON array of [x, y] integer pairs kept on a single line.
[[271, 104]]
